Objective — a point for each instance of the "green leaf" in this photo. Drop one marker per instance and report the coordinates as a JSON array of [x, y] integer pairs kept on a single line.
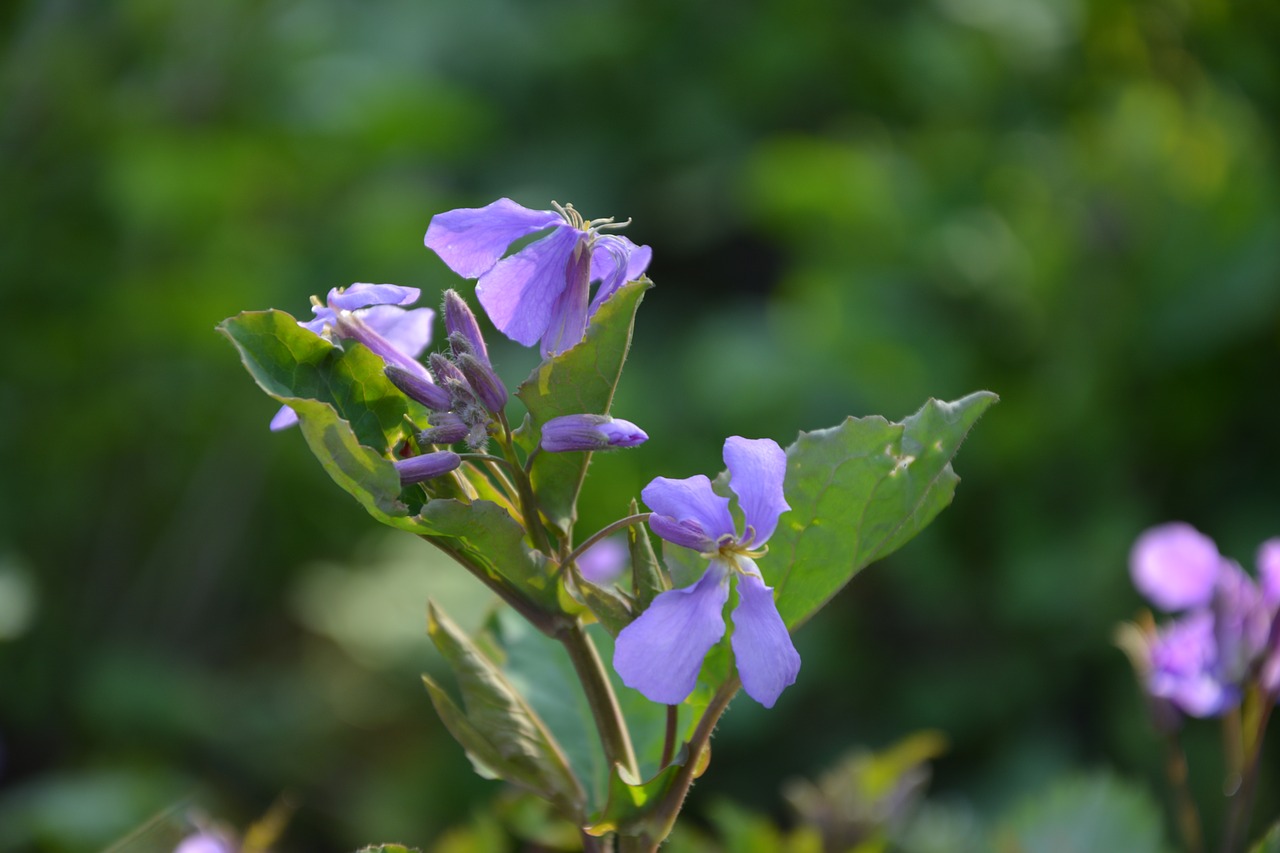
[[610, 609], [580, 380], [646, 576], [858, 492], [1269, 843], [501, 733], [1083, 815], [630, 800]]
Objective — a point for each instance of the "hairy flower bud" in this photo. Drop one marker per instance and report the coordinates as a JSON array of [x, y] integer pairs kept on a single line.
[[416, 469], [446, 428], [589, 432], [418, 388], [460, 322], [486, 384]]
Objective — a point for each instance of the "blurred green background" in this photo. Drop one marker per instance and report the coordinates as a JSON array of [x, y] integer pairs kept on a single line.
[[853, 206]]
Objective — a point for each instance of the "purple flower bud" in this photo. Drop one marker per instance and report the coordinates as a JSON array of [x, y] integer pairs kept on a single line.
[[589, 432], [416, 387], [460, 321], [1175, 566], [417, 469], [486, 384], [446, 428], [449, 376]]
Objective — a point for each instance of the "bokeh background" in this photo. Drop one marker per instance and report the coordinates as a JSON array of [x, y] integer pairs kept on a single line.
[[853, 206]]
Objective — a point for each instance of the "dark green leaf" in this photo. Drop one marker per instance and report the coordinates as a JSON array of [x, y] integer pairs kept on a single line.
[[610, 609], [579, 381], [858, 492]]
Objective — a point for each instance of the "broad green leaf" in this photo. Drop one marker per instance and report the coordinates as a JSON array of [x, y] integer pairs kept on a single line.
[[1084, 814], [858, 492], [500, 731], [291, 364], [580, 380]]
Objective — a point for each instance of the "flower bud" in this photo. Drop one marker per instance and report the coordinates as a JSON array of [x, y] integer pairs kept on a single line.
[[418, 388], [459, 321], [449, 376], [416, 469], [486, 384], [446, 428], [589, 432]]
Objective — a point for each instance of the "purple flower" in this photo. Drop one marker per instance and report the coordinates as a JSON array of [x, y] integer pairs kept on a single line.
[[542, 292], [372, 314], [661, 652], [417, 469], [589, 432], [205, 842], [604, 561], [1175, 566], [1185, 667]]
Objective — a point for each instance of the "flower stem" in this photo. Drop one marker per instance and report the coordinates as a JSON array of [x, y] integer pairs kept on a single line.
[[669, 742], [638, 518], [528, 502], [610, 723], [1242, 800], [539, 619], [1188, 816]]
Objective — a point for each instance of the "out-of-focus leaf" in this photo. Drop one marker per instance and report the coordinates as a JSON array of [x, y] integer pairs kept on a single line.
[[502, 734], [610, 609], [1084, 815], [580, 380], [1269, 843], [858, 492]]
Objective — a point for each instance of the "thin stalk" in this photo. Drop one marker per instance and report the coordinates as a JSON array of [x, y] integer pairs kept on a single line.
[[528, 502], [669, 741], [1242, 801], [610, 723], [638, 518], [1188, 816]]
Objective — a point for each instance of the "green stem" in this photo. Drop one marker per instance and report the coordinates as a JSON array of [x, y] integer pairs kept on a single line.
[[528, 501], [669, 741], [536, 617], [610, 723], [1188, 816], [1242, 800], [638, 518]]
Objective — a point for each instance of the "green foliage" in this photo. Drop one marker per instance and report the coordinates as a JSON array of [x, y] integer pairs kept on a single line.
[[1269, 843], [1084, 814], [581, 380], [858, 492]]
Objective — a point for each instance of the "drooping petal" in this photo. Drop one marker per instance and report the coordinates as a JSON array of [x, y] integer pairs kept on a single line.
[[757, 468], [1269, 571], [661, 652], [362, 295], [767, 661], [687, 512], [472, 239], [353, 325], [615, 260], [284, 419], [407, 331], [1175, 566], [519, 292], [568, 323]]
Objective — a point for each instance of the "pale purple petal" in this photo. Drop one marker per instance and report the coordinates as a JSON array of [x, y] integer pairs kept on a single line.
[[1185, 667], [568, 322], [757, 468], [1269, 571], [472, 239], [284, 419], [687, 512], [324, 316], [204, 842], [615, 260], [767, 661], [1175, 566], [407, 331], [604, 561], [362, 295], [353, 325], [661, 653], [1242, 622], [519, 292]]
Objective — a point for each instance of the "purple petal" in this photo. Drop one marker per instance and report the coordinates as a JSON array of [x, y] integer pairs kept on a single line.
[[757, 468], [472, 239], [407, 331], [661, 652], [615, 260], [1269, 571], [284, 419], [362, 295], [767, 661], [1175, 566], [204, 843], [324, 316], [1184, 667], [568, 324], [1242, 622], [353, 326], [520, 292], [687, 512], [604, 561]]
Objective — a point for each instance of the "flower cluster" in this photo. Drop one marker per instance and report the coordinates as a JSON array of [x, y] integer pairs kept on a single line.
[[1228, 635]]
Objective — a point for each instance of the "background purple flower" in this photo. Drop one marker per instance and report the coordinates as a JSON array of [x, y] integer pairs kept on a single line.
[[1175, 566], [604, 561], [542, 291], [661, 652]]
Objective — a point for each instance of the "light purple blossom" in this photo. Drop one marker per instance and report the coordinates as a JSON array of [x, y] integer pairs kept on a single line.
[[604, 561], [589, 432], [205, 842], [542, 291], [1175, 566], [1185, 667], [372, 314], [661, 652]]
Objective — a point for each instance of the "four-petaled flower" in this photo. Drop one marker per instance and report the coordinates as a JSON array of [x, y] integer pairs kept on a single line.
[[542, 292], [372, 314], [661, 652]]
